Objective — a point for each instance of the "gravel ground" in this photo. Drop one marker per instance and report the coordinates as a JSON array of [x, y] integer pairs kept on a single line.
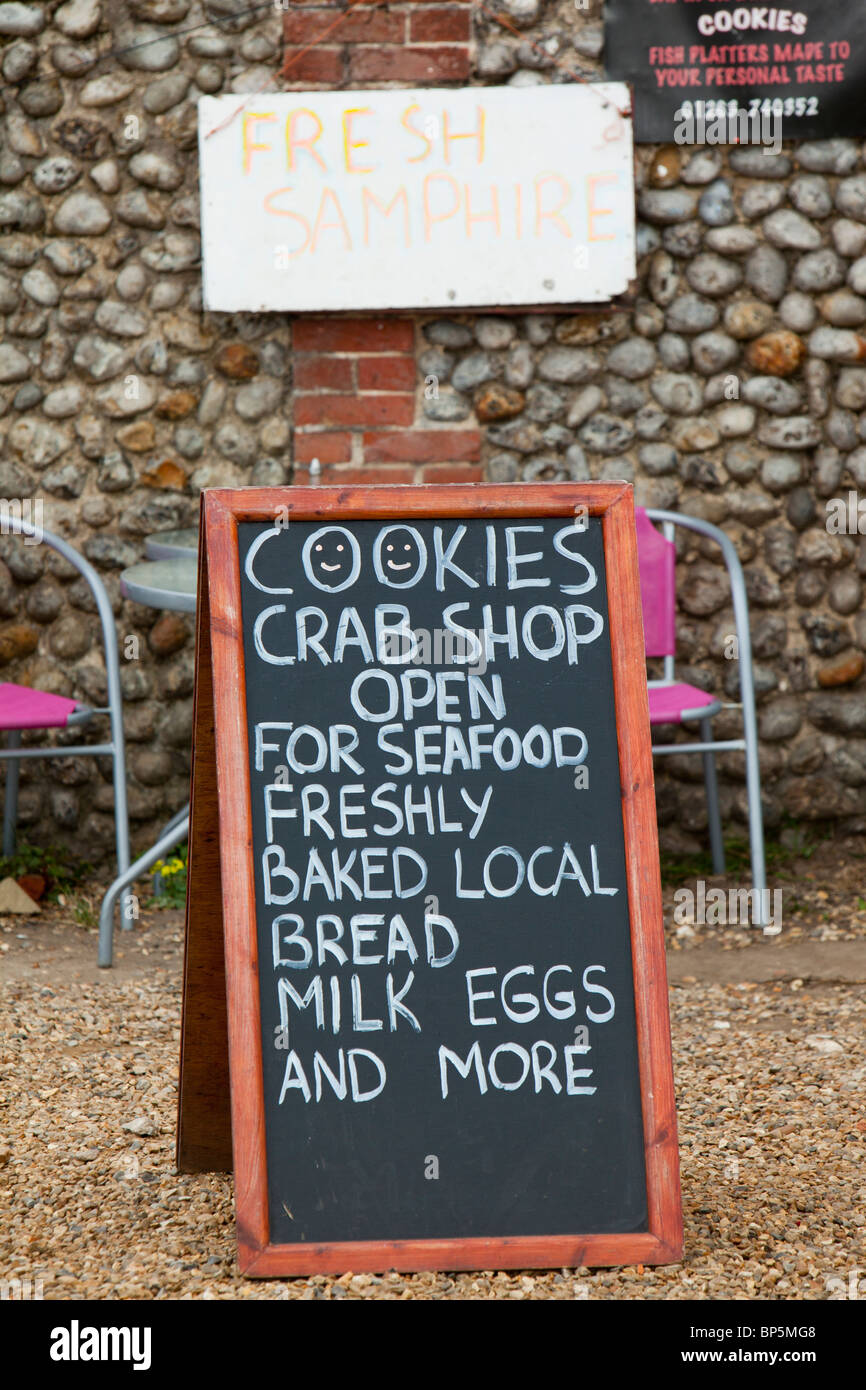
[[823, 898], [770, 1077]]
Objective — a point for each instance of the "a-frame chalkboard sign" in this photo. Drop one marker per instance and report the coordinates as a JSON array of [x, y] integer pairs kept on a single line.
[[425, 1011]]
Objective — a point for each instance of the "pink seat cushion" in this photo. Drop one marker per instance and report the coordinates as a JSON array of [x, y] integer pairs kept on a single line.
[[23, 708], [667, 702]]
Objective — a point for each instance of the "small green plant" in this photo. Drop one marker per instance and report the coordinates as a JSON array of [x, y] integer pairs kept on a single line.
[[61, 871], [83, 911], [172, 879], [793, 841]]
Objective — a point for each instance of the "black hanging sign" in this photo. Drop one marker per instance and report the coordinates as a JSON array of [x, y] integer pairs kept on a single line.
[[761, 73]]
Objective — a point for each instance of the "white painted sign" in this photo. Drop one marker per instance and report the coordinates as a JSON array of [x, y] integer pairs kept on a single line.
[[417, 199]]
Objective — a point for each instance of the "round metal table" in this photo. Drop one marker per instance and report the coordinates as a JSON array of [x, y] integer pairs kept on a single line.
[[172, 545], [162, 584]]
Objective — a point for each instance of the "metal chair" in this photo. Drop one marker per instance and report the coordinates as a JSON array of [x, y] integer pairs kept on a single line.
[[674, 702], [22, 708]]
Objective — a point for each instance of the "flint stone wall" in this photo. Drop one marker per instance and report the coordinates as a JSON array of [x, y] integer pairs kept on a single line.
[[732, 386]]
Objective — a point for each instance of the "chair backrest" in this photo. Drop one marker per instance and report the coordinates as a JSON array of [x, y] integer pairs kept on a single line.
[[15, 525], [657, 566], [658, 594]]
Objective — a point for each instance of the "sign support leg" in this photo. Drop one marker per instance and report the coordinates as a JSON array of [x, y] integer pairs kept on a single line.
[[204, 1137]]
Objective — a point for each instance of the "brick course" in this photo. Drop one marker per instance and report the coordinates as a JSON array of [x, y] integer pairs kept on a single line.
[[411, 42]]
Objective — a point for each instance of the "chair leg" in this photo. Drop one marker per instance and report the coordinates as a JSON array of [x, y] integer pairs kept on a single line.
[[756, 834], [10, 806], [121, 832], [713, 810], [126, 879]]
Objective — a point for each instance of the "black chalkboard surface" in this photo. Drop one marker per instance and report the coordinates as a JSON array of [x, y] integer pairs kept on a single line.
[[440, 902]]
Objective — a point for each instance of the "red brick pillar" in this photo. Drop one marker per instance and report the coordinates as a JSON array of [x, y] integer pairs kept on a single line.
[[415, 42], [358, 396]]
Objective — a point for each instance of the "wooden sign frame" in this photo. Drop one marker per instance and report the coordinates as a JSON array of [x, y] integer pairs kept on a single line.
[[221, 1046]]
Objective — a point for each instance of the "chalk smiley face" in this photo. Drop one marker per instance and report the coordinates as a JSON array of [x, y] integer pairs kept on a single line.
[[331, 558], [401, 556]]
